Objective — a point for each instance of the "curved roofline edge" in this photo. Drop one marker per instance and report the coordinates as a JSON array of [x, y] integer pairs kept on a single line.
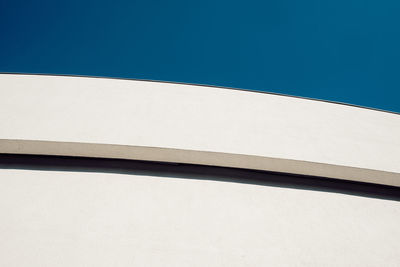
[[204, 85]]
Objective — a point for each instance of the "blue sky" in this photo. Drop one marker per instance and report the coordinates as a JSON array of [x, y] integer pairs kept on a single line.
[[342, 50]]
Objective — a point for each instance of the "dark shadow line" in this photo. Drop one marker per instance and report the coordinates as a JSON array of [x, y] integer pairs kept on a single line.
[[206, 85], [198, 172]]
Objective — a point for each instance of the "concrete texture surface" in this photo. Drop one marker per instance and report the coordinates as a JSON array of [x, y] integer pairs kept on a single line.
[[196, 124], [56, 216], [72, 218]]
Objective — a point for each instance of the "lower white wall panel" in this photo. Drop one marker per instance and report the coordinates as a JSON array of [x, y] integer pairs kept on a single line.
[[76, 218]]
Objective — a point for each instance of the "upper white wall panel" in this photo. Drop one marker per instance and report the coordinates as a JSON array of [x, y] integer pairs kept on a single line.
[[196, 124]]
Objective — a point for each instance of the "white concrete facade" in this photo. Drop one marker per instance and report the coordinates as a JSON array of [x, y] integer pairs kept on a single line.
[[63, 218], [58, 218], [196, 124]]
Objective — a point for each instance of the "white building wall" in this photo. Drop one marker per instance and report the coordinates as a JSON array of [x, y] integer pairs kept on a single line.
[[197, 124], [62, 218], [56, 217]]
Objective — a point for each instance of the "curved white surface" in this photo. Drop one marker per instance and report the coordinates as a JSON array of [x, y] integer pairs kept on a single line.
[[72, 218], [99, 117]]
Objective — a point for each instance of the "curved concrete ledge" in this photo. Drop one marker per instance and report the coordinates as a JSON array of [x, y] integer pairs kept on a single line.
[[199, 157], [108, 118]]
